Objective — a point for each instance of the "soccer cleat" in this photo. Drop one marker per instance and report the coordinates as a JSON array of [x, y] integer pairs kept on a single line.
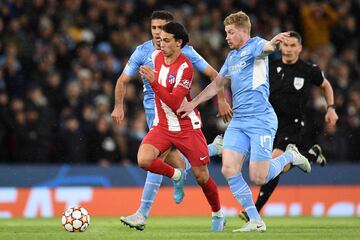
[[320, 158], [243, 216], [218, 223], [135, 220], [299, 160], [252, 226], [179, 187], [218, 141]]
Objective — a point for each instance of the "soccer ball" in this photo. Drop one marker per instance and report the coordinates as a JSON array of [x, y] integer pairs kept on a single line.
[[75, 219]]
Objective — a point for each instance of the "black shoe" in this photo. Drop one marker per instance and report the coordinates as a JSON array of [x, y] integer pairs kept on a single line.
[[320, 158]]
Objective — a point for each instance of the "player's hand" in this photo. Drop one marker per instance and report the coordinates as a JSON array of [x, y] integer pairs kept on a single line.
[[147, 72], [331, 117], [279, 38], [185, 109], [117, 114], [225, 111]]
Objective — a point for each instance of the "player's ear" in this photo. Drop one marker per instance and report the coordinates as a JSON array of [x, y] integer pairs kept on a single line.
[[178, 43]]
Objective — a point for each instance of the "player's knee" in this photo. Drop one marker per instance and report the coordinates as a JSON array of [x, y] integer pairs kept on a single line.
[[202, 179], [228, 171], [143, 161]]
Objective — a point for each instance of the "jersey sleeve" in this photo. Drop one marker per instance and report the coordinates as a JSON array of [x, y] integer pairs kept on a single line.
[[316, 75], [174, 98], [257, 48], [135, 61], [195, 58], [224, 71]]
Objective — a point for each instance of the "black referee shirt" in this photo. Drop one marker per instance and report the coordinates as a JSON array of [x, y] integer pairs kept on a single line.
[[290, 86]]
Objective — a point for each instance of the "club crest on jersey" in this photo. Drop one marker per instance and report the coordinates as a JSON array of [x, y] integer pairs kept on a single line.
[[298, 83], [171, 78], [244, 53]]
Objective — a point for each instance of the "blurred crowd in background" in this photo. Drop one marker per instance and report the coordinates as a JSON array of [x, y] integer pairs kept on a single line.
[[59, 62]]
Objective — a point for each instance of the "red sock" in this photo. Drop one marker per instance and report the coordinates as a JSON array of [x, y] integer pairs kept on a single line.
[[159, 167], [212, 195]]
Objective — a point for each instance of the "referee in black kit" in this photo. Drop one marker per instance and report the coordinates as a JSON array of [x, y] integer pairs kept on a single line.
[[290, 84]]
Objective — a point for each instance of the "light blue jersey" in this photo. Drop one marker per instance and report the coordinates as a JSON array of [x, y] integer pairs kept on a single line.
[[254, 123], [142, 56], [248, 70]]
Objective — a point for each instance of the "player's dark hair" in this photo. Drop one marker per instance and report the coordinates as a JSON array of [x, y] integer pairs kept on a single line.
[[296, 35], [163, 15], [178, 31]]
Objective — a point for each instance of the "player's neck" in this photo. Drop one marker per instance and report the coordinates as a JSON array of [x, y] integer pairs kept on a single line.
[[171, 59], [244, 42]]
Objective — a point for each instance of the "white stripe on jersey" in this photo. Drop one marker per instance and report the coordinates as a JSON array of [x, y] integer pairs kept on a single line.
[[259, 72], [180, 73], [172, 119], [163, 75], [156, 118], [195, 120], [153, 56]]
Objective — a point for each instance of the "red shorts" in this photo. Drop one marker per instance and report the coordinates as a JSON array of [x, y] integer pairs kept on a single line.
[[191, 143]]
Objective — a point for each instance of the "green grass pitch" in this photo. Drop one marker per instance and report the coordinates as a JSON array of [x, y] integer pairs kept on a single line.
[[172, 228]]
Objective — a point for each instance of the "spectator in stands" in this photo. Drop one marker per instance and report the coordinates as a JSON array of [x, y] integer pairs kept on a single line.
[[47, 43]]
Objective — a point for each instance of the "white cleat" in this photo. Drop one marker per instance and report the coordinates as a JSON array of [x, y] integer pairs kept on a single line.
[[135, 220], [299, 160], [218, 141], [252, 226]]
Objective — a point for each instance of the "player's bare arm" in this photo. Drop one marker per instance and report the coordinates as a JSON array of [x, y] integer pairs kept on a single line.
[[330, 117], [210, 91], [274, 44], [120, 90], [225, 111]]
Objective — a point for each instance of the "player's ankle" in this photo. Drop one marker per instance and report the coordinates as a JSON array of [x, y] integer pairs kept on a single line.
[[177, 174]]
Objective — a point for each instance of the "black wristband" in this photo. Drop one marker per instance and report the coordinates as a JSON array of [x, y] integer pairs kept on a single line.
[[331, 106]]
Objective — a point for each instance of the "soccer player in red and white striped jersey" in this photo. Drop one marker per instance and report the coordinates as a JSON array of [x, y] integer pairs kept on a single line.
[[172, 85], [171, 82]]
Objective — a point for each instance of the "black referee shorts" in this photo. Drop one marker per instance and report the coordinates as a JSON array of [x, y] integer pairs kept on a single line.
[[288, 134]]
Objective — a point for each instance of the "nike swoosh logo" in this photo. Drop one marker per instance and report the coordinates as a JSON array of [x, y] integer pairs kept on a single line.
[[202, 158], [259, 226]]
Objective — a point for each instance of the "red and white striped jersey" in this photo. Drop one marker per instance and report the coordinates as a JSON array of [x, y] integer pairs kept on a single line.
[[172, 84]]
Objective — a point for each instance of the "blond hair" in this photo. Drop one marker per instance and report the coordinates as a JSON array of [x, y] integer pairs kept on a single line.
[[239, 19]]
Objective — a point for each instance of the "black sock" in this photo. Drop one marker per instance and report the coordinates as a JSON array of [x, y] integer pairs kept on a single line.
[[265, 192]]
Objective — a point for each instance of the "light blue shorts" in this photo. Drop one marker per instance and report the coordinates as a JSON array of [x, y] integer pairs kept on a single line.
[[150, 115], [252, 136], [149, 106]]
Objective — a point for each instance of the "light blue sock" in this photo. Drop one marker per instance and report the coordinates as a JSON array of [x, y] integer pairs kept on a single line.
[[212, 149], [278, 164], [243, 195], [151, 187], [187, 163]]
